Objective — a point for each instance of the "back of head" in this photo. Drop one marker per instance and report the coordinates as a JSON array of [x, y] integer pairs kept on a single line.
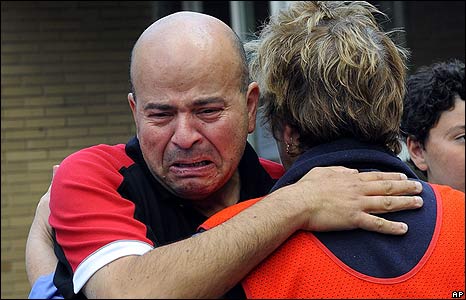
[[431, 90], [327, 69]]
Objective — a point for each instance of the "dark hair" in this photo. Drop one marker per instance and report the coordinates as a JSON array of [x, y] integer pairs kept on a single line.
[[430, 91]]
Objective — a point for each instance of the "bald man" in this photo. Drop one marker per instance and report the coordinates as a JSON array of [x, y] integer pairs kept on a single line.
[[124, 216]]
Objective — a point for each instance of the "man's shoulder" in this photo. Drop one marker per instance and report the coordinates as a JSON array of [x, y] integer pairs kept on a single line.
[[99, 160], [101, 152], [275, 170], [101, 149]]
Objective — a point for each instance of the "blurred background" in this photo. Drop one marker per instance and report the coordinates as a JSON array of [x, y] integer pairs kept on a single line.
[[64, 85]]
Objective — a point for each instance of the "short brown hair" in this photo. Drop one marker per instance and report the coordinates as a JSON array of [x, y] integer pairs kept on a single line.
[[328, 70]]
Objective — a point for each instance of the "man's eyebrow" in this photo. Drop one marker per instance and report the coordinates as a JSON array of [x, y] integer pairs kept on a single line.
[[206, 101], [195, 103], [158, 106]]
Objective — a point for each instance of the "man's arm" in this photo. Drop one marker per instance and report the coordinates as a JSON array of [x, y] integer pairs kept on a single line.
[[211, 263], [40, 257]]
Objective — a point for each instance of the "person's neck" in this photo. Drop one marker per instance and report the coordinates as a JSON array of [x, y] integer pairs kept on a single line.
[[228, 195]]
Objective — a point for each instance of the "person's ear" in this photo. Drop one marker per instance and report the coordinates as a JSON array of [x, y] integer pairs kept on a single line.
[[132, 105], [291, 140], [252, 103], [417, 153]]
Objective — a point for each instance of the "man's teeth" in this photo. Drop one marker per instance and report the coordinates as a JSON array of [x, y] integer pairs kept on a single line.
[[198, 164]]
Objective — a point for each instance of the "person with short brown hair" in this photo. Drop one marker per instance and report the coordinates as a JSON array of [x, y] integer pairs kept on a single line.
[[332, 85]]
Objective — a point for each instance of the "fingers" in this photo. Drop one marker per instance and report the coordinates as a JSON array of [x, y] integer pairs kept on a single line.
[[371, 176], [392, 187], [378, 224], [370, 183], [383, 204], [381, 183], [339, 169], [330, 171], [54, 170], [45, 199]]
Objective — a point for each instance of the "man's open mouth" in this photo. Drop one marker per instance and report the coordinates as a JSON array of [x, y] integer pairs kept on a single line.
[[192, 165]]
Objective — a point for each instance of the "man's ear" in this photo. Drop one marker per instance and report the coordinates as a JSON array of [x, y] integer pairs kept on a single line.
[[417, 153], [132, 102], [132, 105], [252, 103]]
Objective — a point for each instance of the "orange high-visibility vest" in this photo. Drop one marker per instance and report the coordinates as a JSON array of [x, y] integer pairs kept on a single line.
[[303, 267]]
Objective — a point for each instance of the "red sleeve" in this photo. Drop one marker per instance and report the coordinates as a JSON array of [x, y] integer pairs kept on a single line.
[[87, 212]]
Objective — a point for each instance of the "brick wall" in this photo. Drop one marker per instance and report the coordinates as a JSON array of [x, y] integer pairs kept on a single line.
[[64, 83]]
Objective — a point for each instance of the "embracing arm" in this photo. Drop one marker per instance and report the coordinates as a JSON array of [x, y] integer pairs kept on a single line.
[[40, 257], [211, 263]]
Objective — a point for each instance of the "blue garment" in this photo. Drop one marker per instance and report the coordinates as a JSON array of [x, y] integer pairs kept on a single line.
[[44, 288]]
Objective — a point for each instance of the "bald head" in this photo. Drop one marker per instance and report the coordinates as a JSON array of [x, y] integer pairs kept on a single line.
[[188, 24], [184, 41]]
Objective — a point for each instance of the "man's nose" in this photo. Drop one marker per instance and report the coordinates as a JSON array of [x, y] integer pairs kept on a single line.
[[186, 132]]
